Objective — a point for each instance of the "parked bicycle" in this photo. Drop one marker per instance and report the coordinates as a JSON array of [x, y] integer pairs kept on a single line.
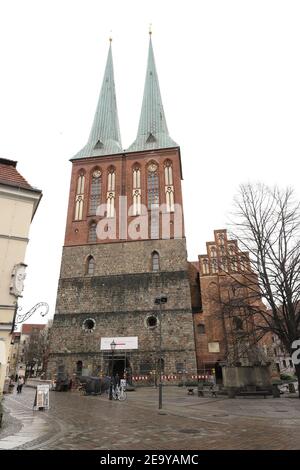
[[119, 393]]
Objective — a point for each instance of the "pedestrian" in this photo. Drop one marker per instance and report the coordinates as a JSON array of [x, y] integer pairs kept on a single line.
[[117, 379], [20, 384], [213, 390]]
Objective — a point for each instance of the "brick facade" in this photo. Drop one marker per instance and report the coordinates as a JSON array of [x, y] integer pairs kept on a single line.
[[119, 295], [222, 325]]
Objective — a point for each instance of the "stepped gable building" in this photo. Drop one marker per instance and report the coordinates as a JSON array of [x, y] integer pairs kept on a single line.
[[224, 301], [124, 247]]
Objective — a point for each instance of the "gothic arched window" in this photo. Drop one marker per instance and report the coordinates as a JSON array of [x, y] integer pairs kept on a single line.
[[221, 238], [231, 249], [169, 188], [111, 192], [79, 200], [95, 196], [201, 328], [90, 265], [238, 323], [155, 261], [205, 266], [214, 265], [153, 185], [136, 190], [93, 232], [213, 251]]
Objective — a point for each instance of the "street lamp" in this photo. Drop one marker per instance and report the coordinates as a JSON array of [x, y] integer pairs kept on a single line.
[[159, 301], [112, 347]]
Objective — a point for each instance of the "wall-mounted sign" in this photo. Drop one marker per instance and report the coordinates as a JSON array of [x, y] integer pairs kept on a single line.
[[125, 342]]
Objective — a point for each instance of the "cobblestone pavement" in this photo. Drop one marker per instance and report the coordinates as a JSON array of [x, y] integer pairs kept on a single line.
[[186, 422]]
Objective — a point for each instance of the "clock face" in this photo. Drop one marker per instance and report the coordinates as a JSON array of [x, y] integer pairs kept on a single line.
[[97, 174]]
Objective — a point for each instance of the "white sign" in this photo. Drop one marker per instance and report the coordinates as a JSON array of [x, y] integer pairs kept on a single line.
[[126, 342], [41, 400], [123, 383]]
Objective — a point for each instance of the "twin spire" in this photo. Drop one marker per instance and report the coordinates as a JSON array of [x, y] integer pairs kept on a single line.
[[105, 137]]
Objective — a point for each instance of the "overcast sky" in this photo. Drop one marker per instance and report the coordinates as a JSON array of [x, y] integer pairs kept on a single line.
[[230, 81]]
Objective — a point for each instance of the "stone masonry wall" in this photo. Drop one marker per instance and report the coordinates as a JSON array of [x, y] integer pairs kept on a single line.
[[119, 297]]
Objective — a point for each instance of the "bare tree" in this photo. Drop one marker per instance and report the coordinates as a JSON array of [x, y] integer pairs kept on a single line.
[[37, 349], [266, 224]]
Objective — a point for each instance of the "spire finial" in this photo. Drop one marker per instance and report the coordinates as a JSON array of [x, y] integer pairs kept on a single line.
[[110, 36], [150, 29]]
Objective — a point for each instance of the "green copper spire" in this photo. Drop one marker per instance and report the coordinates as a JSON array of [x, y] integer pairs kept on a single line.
[[153, 131], [105, 138]]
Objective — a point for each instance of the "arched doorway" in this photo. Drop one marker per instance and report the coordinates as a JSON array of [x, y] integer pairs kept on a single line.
[[219, 373], [121, 366], [79, 368]]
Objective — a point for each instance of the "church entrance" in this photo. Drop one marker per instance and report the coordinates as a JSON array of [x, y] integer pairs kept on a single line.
[[120, 367], [219, 373], [119, 363]]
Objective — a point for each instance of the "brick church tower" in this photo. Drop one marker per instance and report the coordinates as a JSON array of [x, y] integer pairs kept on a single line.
[[124, 247]]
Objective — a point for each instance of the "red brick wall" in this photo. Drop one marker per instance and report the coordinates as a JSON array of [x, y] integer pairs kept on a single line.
[[77, 231]]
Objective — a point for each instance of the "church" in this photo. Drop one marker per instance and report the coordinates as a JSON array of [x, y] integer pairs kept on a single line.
[[128, 300], [125, 248]]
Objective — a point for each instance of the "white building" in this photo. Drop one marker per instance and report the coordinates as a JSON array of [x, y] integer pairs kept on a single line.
[[18, 204]]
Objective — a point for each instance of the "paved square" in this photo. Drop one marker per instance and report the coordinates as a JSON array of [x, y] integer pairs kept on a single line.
[[186, 422]]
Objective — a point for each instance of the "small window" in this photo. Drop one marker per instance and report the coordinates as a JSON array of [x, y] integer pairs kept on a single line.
[[291, 363], [90, 265], [89, 325], [179, 367], [277, 367], [155, 261], [151, 321], [201, 329], [284, 363]]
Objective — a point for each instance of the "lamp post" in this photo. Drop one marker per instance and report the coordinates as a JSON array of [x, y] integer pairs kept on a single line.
[[112, 347], [159, 301]]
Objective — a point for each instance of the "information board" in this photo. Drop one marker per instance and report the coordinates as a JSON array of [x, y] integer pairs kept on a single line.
[[41, 401]]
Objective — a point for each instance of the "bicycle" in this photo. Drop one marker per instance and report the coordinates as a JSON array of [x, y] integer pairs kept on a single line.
[[119, 393]]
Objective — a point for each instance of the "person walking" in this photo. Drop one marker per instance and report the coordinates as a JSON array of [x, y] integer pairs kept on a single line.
[[20, 384], [117, 379]]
